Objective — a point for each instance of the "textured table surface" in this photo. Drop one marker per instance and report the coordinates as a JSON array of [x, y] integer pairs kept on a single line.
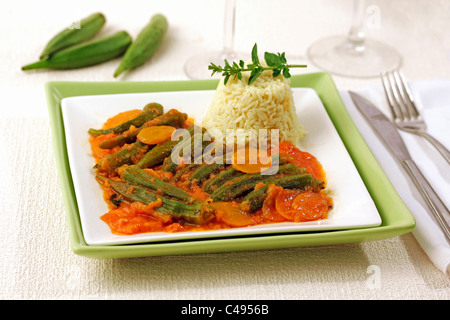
[[36, 259]]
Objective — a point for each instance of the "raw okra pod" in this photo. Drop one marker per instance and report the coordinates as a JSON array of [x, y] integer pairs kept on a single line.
[[85, 54], [78, 32], [145, 45]]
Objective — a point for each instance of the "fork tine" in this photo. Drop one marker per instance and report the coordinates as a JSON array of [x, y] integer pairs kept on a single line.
[[398, 95], [401, 95], [390, 96], [409, 98]]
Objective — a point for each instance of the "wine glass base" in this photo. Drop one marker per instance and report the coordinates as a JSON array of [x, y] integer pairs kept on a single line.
[[196, 67], [338, 56]]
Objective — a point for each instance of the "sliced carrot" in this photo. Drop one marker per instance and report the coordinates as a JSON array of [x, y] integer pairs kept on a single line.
[[121, 118], [311, 205], [251, 160], [189, 122], [230, 214], [156, 134], [283, 203], [300, 206], [269, 211]]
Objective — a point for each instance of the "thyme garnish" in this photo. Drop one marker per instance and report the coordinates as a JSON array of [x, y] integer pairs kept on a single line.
[[275, 62]]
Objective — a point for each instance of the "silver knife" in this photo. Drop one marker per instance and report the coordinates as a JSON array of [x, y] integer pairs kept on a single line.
[[392, 139]]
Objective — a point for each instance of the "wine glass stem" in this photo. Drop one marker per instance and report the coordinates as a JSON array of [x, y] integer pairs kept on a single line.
[[229, 24], [356, 34]]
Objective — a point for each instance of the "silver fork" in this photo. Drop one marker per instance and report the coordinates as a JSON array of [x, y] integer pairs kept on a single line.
[[403, 108]]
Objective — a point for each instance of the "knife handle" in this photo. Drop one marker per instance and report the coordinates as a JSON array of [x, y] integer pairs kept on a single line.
[[437, 207]]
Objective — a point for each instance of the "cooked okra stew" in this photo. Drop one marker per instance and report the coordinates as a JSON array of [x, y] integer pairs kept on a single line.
[[155, 179]]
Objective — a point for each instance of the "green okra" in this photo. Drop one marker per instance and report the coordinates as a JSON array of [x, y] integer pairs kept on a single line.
[[85, 54], [151, 111], [137, 176], [184, 170], [196, 213], [169, 165], [127, 155], [205, 170], [157, 155], [230, 173], [194, 143], [254, 200], [145, 45], [174, 119], [221, 178], [160, 152], [84, 30], [239, 186]]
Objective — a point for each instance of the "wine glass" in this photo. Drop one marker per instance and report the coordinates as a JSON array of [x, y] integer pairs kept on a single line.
[[354, 55], [197, 66]]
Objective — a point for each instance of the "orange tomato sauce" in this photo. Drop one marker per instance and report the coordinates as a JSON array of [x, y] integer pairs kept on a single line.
[[280, 205], [303, 160]]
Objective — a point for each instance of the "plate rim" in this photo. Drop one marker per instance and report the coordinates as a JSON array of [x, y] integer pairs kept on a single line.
[[395, 216]]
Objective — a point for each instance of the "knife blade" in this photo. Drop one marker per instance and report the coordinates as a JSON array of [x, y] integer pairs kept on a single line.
[[383, 126], [389, 134]]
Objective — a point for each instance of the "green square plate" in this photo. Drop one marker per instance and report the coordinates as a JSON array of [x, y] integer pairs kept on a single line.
[[396, 218]]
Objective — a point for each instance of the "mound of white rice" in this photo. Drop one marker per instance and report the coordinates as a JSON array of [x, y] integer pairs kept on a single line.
[[267, 103]]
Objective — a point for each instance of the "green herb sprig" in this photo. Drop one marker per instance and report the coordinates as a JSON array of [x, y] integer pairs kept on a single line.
[[275, 62]]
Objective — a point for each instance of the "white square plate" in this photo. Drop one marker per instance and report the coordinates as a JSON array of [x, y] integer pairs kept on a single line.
[[353, 206]]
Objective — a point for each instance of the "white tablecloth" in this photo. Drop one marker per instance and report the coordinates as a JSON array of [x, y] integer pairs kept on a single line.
[[36, 261]]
